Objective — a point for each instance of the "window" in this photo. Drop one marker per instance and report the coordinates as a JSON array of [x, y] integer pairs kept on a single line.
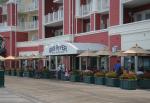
[[138, 17], [88, 27], [147, 16]]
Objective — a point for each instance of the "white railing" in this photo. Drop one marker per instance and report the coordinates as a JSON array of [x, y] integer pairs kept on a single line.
[[85, 9], [45, 41], [105, 4], [94, 6], [54, 16], [4, 24], [25, 26], [4, 9], [28, 8]]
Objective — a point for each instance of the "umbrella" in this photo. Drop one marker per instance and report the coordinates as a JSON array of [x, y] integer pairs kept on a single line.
[[119, 53], [10, 58], [104, 51], [87, 54], [136, 50], [2, 58], [37, 57]]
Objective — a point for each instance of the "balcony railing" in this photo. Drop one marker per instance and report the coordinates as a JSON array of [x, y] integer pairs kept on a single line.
[[31, 7], [25, 26], [85, 9], [3, 24], [54, 16], [4, 9], [94, 5], [45, 41]]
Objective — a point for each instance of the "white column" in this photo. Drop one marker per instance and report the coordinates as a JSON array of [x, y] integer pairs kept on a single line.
[[56, 62], [95, 5], [86, 63], [122, 61], [121, 13], [49, 59], [80, 63], [77, 7], [136, 63], [97, 62]]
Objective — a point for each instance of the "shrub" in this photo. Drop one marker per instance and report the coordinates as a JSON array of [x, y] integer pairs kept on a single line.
[[88, 73], [75, 72], [146, 75], [99, 74], [111, 75], [129, 76], [45, 70]]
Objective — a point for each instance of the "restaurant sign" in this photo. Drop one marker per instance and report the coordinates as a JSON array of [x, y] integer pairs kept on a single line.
[[59, 49]]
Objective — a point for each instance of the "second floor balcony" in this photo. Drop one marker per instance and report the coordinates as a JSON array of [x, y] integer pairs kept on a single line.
[[91, 6], [30, 8], [28, 26], [54, 17], [45, 41], [4, 9]]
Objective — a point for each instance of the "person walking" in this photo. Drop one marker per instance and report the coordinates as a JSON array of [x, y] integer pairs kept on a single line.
[[117, 68]]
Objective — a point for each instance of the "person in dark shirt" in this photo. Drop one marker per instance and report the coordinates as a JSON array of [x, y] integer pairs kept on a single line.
[[117, 68]]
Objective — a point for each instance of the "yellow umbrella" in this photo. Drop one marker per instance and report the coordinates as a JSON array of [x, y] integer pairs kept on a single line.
[[104, 51], [10, 58], [136, 50], [119, 53], [2, 58], [87, 54]]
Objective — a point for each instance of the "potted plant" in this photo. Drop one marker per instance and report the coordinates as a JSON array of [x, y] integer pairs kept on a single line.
[[144, 81], [75, 76], [99, 78], [128, 81], [31, 72], [88, 76], [20, 72], [111, 79], [45, 73], [13, 72]]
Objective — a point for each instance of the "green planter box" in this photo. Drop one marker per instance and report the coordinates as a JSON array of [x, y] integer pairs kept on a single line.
[[2, 80], [20, 73], [46, 75], [128, 84], [75, 78], [31, 74], [113, 82], [6, 72], [144, 84], [13, 73], [9, 72], [88, 79], [99, 80]]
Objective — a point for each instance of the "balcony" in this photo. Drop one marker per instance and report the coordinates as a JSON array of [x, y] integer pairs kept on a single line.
[[4, 9], [28, 8], [45, 41], [99, 6], [54, 18], [28, 26], [85, 10], [3, 24], [134, 27]]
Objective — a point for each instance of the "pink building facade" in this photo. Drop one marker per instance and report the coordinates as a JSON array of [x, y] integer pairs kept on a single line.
[[56, 28]]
